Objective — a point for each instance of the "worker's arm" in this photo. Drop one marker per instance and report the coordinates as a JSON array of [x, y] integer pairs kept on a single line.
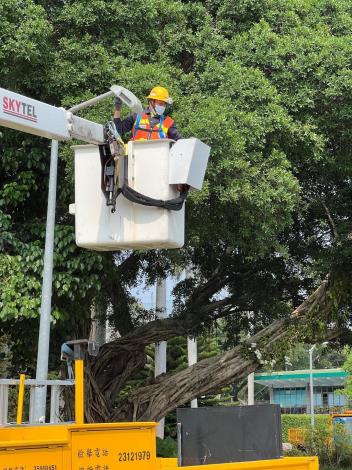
[[174, 133], [124, 125]]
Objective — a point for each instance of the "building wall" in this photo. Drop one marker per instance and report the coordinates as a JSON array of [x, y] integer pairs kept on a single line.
[[324, 397], [290, 397]]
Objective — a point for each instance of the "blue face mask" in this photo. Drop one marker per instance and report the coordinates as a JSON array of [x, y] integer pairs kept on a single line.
[[159, 109]]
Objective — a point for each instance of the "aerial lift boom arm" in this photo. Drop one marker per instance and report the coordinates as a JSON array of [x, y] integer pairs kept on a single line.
[[39, 118]]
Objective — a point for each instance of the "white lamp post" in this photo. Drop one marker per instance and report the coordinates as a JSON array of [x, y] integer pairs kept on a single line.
[[311, 385], [311, 390]]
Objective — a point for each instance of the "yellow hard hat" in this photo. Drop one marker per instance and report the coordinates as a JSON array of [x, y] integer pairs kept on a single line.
[[160, 93]]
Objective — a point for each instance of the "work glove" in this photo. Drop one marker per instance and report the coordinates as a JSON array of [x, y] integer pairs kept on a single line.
[[118, 103]]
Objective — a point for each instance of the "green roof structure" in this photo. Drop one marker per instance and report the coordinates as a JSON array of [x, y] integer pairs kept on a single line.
[[299, 378]]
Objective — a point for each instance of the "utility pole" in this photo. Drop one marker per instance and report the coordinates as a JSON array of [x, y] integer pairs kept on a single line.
[[160, 348], [192, 359], [192, 347], [311, 384], [250, 392], [45, 307]]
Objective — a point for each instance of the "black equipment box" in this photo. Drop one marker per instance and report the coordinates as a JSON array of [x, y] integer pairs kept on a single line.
[[224, 434]]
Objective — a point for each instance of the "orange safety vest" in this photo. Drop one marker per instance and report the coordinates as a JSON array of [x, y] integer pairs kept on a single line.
[[142, 130]]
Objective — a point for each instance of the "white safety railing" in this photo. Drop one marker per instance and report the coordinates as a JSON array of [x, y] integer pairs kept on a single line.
[[56, 387]]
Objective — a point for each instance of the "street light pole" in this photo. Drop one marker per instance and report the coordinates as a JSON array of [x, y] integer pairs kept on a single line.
[[311, 389], [311, 350], [45, 307], [160, 347]]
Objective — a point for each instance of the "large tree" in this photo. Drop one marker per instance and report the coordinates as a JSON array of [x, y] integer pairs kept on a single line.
[[268, 85]]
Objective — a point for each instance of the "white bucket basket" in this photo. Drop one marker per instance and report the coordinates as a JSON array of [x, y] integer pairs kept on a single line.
[[188, 162], [131, 226]]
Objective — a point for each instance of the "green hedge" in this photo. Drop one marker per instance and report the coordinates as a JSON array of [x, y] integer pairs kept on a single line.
[[166, 447], [301, 421]]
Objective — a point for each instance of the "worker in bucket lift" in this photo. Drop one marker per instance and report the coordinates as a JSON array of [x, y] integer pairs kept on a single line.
[[152, 124]]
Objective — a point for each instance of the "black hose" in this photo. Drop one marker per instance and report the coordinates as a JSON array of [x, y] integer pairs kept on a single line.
[[172, 204]]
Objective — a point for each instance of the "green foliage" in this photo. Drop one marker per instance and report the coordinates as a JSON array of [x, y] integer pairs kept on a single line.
[[19, 295], [166, 447], [297, 357], [303, 422], [24, 36], [347, 366], [334, 449], [5, 355]]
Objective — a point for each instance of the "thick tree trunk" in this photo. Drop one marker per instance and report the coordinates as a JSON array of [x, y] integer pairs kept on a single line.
[[120, 359]]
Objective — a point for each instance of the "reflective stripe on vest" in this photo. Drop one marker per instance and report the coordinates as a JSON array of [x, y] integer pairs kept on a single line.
[[142, 131]]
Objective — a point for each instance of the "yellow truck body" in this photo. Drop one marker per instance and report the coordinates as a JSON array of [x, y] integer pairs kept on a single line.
[[113, 446], [289, 463], [102, 446], [78, 447]]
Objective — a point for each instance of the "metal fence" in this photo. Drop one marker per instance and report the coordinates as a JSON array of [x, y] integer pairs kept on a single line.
[[55, 386]]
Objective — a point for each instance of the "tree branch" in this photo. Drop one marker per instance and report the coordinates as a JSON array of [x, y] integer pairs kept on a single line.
[[174, 389], [330, 220]]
